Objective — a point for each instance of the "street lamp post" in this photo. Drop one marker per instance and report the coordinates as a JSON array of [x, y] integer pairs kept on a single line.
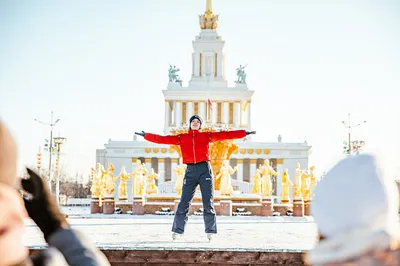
[[58, 141], [51, 124], [356, 145]]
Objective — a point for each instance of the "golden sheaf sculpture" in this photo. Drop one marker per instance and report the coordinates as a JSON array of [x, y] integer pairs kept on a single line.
[[219, 151]]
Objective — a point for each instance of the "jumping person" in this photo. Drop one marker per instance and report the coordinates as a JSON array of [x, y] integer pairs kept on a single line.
[[195, 154]]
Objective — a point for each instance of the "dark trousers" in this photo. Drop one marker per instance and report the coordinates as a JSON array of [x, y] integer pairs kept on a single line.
[[197, 174]]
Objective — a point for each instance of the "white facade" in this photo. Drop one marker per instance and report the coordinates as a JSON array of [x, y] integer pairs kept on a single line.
[[230, 106]]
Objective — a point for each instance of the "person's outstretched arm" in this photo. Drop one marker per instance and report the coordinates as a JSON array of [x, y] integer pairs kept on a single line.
[[43, 210], [169, 139], [234, 134]]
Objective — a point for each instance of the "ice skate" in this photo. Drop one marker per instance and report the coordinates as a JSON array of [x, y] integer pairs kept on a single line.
[[210, 236], [175, 236]]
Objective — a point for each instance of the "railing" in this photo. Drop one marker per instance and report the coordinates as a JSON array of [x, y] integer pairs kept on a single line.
[[167, 187]]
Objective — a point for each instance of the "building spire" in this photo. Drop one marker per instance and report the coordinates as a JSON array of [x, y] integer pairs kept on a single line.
[[209, 5], [208, 21]]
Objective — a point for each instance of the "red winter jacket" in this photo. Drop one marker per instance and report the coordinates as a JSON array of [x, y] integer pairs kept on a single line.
[[194, 144]]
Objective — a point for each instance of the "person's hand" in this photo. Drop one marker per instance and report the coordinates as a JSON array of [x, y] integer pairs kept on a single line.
[[41, 206], [141, 133], [250, 132]]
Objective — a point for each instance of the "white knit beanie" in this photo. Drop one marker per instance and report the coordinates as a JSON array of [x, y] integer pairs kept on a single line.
[[354, 194]]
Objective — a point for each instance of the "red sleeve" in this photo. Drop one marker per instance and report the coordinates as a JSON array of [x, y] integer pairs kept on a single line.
[[222, 135], [172, 140]]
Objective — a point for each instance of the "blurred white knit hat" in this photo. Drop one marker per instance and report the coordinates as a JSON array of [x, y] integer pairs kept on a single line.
[[354, 194]]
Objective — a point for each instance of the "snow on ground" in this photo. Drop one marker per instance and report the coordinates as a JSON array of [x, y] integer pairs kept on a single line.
[[124, 231]]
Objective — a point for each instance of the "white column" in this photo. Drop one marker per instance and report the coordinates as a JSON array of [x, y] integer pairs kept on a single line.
[[219, 62], [203, 65], [178, 113], [167, 115], [174, 164], [253, 168], [236, 114], [239, 172], [279, 169], [214, 113], [249, 115], [189, 110], [161, 170], [243, 113], [148, 163], [202, 109], [196, 64], [225, 112]]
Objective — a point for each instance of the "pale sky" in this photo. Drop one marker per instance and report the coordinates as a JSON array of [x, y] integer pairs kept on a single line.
[[101, 66]]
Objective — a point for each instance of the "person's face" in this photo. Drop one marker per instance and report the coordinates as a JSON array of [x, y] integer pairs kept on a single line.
[[195, 124]]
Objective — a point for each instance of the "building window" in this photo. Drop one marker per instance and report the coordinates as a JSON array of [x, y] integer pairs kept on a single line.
[[167, 167], [246, 170], [259, 161], [196, 108]]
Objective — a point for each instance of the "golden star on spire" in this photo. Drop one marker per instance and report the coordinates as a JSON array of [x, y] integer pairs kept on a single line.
[[208, 20]]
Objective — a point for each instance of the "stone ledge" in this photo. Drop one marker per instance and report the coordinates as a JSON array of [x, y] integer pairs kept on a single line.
[[120, 257]]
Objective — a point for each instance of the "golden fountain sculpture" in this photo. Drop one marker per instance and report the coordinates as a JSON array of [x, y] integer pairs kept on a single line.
[[256, 183], [98, 183], [297, 182], [305, 186], [267, 172], [313, 180], [219, 150], [224, 177], [122, 189], [286, 185], [109, 181], [139, 174], [151, 187], [179, 171]]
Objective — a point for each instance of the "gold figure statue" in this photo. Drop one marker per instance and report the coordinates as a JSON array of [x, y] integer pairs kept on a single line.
[[313, 180], [122, 189], [151, 187], [305, 186], [138, 178], [109, 180], [179, 171], [286, 185], [225, 178], [266, 172], [96, 187], [297, 182], [257, 183]]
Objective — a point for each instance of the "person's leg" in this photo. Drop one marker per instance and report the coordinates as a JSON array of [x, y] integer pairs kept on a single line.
[[207, 194], [188, 190]]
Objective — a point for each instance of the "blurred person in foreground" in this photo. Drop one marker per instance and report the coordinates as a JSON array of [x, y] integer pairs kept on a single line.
[[356, 210], [66, 246]]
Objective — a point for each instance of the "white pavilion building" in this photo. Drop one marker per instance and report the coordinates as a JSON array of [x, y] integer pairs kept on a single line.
[[230, 106]]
